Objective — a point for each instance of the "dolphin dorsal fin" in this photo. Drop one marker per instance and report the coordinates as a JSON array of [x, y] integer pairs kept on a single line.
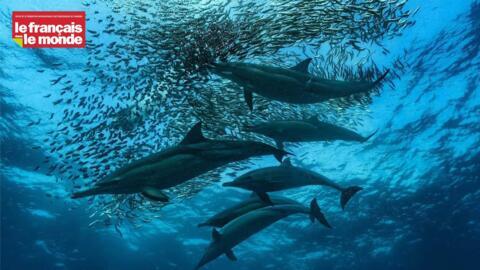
[[302, 66], [195, 135], [216, 236], [287, 162]]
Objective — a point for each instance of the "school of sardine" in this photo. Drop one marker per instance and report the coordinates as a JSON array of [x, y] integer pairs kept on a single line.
[[141, 91]]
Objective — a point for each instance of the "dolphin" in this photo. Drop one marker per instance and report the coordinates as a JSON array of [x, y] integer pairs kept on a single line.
[[241, 228], [287, 176], [194, 156], [291, 85], [252, 203], [309, 130]]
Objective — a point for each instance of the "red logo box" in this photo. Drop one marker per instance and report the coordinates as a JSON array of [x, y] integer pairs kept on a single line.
[[49, 29]]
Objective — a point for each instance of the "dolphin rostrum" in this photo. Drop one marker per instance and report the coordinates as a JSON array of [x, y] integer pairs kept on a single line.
[[287, 176], [252, 203], [291, 85], [251, 223], [194, 156], [309, 130]]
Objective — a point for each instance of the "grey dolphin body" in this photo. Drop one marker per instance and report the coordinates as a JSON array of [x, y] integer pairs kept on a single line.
[[194, 156], [251, 223], [310, 130], [287, 176], [294, 85], [252, 203]]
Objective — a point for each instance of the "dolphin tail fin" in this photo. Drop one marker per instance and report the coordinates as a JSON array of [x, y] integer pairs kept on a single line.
[[316, 213], [369, 136], [347, 194], [86, 193]]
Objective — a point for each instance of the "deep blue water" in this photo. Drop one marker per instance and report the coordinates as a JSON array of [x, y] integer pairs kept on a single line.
[[420, 208]]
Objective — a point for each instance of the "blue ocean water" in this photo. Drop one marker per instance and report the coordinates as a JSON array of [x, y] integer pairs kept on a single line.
[[421, 173]]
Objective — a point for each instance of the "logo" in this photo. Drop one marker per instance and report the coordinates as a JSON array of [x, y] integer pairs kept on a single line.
[[49, 29]]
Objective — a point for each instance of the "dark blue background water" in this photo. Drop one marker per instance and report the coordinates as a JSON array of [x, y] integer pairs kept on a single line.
[[420, 208]]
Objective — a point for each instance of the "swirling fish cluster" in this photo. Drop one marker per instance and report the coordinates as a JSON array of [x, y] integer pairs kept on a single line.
[[147, 79]]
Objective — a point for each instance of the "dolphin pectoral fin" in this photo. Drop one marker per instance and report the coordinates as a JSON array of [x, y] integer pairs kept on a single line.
[[302, 66], [279, 144], [347, 194], [194, 135], [264, 197], [216, 236], [154, 194], [248, 95], [230, 255]]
